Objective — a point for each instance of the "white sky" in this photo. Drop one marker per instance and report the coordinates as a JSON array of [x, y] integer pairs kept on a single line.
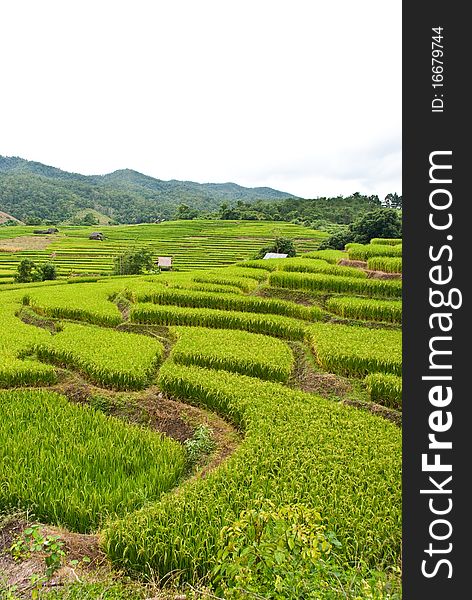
[[299, 95]]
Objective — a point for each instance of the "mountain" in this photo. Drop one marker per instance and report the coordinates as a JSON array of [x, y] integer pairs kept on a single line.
[[32, 191]]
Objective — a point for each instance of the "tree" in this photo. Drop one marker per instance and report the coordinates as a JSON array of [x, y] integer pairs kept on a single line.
[[48, 271], [280, 245], [134, 263], [186, 213], [381, 223], [29, 271]]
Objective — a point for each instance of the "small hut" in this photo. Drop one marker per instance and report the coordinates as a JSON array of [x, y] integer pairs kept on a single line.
[[46, 231], [96, 235], [275, 255], [164, 263]]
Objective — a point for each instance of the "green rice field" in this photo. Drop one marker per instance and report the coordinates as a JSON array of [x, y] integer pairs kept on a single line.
[[291, 367]]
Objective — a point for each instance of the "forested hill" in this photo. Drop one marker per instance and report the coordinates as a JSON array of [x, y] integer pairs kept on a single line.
[[32, 191]]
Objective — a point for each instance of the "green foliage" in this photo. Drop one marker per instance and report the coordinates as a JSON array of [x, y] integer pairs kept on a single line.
[[281, 245], [88, 219], [32, 541], [86, 465], [134, 263], [385, 389], [238, 351], [337, 241], [97, 590], [277, 551], [29, 271], [115, 359], [39, 192], [340, 285], [200, 444], [368, 309], [379, 223], [48, 271], [356, 351]]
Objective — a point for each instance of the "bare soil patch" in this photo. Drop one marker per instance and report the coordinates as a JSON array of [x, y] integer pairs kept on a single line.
[[382, 275], [345, 262], [76, 546], [26, 242]]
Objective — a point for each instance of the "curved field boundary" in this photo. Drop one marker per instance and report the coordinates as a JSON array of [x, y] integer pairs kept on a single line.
[[297, 448]]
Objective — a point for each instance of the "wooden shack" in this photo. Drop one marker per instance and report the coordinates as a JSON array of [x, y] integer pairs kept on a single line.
[[275, 255], [46, 231], [96, 235], [164, 263]]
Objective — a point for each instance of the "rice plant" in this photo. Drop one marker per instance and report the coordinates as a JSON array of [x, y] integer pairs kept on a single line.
[[385, 389], [238, 351], [73, 466], [232, 302], [341, 285], [368, 309], [388, 264], [366, 251], [245, 284], [356, 351], [297, 448], [331, 256], [110, 358], [315, 265], [388, 241], [275, 325], [81, 302]]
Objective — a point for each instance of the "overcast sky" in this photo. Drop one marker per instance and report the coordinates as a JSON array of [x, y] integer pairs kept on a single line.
[[299, 95]]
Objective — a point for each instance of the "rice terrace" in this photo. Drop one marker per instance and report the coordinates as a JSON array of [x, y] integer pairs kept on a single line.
[[229, 428]]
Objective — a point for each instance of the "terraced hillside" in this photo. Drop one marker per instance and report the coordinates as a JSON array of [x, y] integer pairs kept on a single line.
[[191, 244], [309, 377]]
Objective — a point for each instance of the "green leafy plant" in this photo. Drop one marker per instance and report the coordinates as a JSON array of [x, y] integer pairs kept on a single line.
[[200, 444], [33, 541], [273, 551]]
